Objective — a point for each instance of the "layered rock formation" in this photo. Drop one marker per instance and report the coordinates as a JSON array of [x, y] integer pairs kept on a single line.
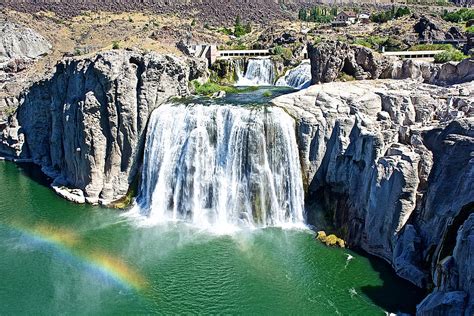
[[329, 60], [84, 124], [391, 160]]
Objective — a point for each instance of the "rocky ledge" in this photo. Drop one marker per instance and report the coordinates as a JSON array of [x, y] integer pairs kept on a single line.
[[391, 161], [330, 60], [85, 123]]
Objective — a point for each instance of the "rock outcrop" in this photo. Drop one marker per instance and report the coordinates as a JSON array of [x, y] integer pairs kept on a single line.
[[391, 160], [329, 60], [427, 30], [17, 42], [20, 47], [84, 124]]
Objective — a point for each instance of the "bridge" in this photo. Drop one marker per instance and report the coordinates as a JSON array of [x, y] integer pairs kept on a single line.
[[212, 53], [229, 54], [416, 54]]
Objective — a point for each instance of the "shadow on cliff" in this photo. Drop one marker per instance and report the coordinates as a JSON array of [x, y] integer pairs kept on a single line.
[[388, 295], [34, 172]]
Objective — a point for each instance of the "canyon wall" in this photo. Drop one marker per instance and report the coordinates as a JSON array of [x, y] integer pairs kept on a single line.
[[215, 11], [332, 59], [85, 123], [390, 161]]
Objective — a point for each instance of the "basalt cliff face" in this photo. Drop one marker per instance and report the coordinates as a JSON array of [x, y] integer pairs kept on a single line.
[[329, 60], [391, 161], [85, 123]]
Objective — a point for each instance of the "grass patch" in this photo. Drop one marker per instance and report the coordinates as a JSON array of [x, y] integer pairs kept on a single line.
[[267, 94], [372, 42], [209, 88], [431, 47]]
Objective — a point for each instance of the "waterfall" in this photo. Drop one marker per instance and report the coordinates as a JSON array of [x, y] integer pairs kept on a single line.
[[298, 77], [260, 72], [221, 166]]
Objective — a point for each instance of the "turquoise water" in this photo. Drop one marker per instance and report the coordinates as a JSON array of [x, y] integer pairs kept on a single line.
[[62, 258]]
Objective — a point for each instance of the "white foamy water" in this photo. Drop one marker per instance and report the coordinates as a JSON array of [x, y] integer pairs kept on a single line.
[[221, 167], [298, 77], [260, 72]]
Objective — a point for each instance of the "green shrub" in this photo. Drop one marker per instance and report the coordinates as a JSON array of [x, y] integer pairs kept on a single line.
[[240, 29], [470, 30], [373, 42], [267, 94], [225, 31], [317, 14], [431, 47], [284, 52], [115, 45], [391, 14], [449, 55], [458, 16]]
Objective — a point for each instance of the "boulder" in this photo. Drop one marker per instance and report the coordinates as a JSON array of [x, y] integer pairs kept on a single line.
[[18, 42], [428, 30]]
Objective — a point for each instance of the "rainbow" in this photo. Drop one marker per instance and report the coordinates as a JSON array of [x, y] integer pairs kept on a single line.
[[69, 243]]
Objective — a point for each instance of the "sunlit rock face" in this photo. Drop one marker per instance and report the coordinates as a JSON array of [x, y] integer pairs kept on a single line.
[[85, 123], [391, 160]]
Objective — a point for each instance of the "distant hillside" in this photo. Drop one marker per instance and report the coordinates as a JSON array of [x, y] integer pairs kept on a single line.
[[222, 11]]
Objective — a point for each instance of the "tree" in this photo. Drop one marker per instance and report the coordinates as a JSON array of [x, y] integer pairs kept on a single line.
[[302, 15]]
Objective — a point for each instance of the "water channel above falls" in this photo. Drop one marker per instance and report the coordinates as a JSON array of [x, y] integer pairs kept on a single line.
[[63, 258]]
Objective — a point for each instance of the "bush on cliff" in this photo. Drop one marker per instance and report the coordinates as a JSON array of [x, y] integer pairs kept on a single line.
[[458, 16], [449, 55], [391, 14]]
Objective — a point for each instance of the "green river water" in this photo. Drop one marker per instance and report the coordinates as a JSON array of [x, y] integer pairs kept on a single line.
[[61, 258]]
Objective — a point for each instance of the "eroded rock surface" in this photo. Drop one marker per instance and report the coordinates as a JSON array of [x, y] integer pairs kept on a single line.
[[17, 42], [392, 161], [84, 125], [330, 60]]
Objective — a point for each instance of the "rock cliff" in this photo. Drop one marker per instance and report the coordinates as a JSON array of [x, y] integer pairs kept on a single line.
[[329, 60], [391, 161], [84, 124]]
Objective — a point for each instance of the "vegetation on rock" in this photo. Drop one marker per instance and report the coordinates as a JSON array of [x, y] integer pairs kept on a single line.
[[449, 55], [317, 14], [461, 15], [330, 240], [391, 14]]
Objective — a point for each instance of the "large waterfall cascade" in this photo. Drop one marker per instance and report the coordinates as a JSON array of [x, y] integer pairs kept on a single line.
[[260, 72], [221, 166], [298, 77]]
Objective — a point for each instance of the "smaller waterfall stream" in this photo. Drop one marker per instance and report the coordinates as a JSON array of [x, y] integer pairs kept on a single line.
[[260, 72], [220, 166], [298, 77]]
